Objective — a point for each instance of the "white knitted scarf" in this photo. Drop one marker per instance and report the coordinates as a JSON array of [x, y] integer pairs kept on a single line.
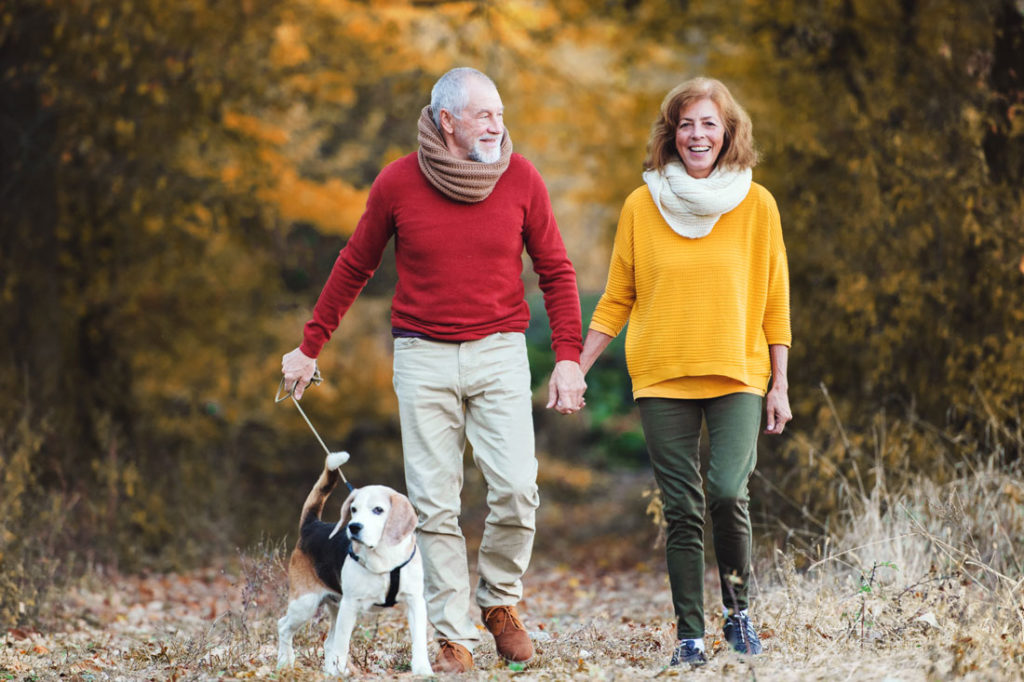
[[691, 206]]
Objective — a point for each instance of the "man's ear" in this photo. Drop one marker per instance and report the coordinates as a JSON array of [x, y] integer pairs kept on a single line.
[[447, 122]]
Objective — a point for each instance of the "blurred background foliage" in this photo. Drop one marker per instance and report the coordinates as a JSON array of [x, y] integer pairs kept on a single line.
[[176, 179]]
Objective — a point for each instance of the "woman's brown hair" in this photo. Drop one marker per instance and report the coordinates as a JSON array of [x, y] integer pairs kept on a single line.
[[738, 150]]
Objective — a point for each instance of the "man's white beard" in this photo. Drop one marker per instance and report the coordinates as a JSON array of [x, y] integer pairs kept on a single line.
[[491, 155]]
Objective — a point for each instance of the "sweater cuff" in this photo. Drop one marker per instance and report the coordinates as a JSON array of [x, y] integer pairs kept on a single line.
[[567, 353], [310, 350], [604, 329], [782, 338]]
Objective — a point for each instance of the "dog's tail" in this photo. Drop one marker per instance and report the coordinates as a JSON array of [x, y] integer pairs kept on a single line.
[[328, 480]]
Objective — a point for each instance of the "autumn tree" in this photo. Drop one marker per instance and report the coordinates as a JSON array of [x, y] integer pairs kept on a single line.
[[177, 179], [127, 276]]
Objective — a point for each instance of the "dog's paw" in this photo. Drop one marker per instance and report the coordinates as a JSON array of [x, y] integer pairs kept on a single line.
[[422, 669], [285, 658]]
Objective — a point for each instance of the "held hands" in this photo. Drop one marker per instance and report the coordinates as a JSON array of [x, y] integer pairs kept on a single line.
[[777, 407], [566, 387], [298, 369]]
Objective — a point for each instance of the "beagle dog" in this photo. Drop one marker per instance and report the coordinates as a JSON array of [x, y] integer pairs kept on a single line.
[[374, 562]]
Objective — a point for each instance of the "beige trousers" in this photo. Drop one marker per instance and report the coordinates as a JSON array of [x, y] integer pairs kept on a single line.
[[448, 393]]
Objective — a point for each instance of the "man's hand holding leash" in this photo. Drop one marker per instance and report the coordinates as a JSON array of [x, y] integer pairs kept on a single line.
[[298, 369]]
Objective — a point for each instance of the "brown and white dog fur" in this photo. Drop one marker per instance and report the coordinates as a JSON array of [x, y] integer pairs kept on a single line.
[[379, 525]]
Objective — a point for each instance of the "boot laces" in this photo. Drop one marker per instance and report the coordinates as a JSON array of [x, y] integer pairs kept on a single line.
[[509, 617]]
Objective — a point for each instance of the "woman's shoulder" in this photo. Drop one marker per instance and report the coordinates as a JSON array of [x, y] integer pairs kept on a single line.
[[759, 200], [641, 196], [760, 193]]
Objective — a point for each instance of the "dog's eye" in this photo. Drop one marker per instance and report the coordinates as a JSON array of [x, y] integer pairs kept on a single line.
[[352, 510], [378, 510]]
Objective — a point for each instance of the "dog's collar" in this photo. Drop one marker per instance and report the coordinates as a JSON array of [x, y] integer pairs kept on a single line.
[[393, 579]]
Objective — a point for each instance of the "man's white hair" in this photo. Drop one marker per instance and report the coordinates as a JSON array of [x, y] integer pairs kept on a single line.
[[450, 92]]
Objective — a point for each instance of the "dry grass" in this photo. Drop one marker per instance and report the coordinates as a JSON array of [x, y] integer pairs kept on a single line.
[[913, 581], [923, 583], [928, 579]]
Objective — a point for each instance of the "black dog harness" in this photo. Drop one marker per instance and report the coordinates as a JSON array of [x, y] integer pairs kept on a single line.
[[393, 580]]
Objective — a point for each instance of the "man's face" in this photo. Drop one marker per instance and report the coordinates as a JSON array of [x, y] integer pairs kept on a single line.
[[476, 133]]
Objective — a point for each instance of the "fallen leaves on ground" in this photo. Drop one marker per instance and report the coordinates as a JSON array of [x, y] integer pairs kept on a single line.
[[588, 622]]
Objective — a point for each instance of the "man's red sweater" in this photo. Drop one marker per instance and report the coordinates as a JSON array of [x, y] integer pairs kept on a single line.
[[459, 264]]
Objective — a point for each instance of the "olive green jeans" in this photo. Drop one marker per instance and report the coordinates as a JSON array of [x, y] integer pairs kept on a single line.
[[672, 430]]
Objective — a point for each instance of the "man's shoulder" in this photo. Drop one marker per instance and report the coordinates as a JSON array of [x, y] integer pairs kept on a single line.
[[518, 160], [398, 172], [522, 175], [520, 165], [400, 168]]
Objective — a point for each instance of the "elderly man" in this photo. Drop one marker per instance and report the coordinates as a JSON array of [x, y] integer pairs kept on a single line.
[[461, 209]]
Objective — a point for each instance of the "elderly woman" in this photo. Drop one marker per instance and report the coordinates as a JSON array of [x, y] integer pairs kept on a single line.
[[699, 272]]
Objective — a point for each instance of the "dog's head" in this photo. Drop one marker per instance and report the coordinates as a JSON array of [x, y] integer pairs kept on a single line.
[[376, 516]]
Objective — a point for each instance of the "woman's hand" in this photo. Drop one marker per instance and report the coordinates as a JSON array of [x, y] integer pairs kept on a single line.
[[777, 407], [566, 387], [777, 400]]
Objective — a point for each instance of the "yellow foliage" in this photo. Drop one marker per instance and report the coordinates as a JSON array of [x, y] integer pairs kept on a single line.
[[903, 233], [255, 128], [289, 48], [230, 173], [334, 206], [531, 15], [393, 153], [327, 86]]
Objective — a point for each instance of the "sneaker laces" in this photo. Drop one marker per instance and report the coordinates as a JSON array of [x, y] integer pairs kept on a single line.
[[685, 649], [746, 626], [510, 616]]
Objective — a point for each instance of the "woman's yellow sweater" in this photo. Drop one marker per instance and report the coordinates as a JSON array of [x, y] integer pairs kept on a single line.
[[703, 309]]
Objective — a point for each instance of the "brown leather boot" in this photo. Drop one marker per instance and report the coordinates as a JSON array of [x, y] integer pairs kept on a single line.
[[452, 658], [510, 636]]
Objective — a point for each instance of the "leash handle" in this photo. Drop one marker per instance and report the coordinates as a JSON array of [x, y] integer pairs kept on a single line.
[[283, 394]]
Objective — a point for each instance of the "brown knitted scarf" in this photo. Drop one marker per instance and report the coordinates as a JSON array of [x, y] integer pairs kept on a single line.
[[458, 179]]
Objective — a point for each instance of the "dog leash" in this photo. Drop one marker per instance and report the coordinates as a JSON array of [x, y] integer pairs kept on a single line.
[[283, 395]]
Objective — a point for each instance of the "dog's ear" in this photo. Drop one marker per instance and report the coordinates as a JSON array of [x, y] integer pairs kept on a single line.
[[401, 520], [345, 514]]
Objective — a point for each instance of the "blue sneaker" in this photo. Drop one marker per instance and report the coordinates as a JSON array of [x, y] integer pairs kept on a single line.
[[740, 634], [687, 652]]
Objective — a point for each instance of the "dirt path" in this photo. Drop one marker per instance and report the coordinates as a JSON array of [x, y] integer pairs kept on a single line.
[[589, 622]]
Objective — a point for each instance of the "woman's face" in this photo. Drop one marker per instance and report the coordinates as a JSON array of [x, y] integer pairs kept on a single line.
[[699, 137]]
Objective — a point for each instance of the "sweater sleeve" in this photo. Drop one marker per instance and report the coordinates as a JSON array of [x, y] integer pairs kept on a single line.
[[613, 310], [557, 277], [356, 263], [777, 329]]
